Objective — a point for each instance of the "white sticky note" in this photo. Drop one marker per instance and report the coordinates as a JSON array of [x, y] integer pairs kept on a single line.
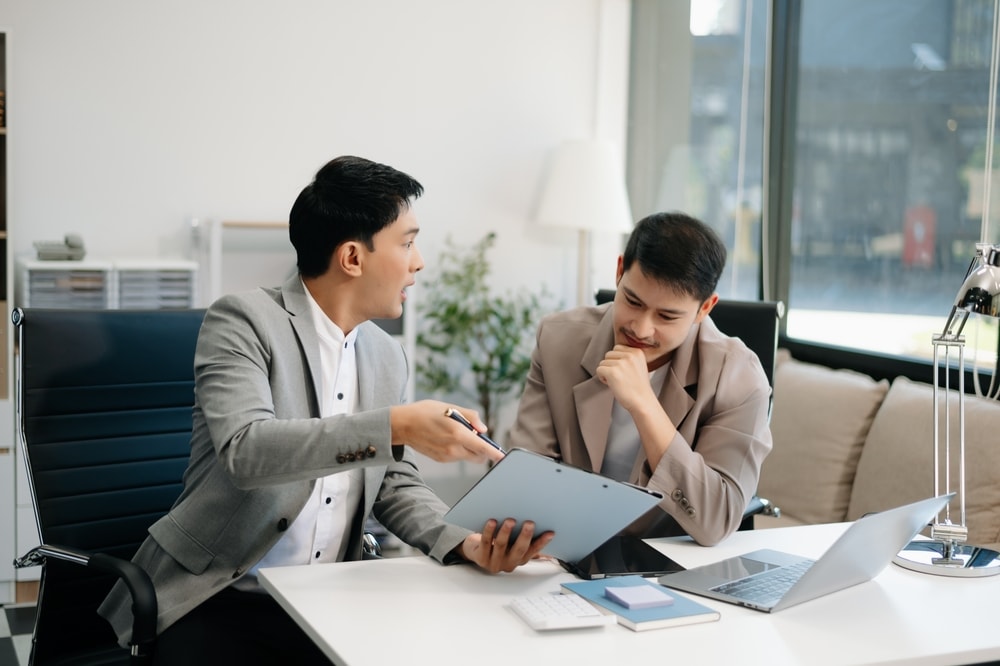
[[638, 596]]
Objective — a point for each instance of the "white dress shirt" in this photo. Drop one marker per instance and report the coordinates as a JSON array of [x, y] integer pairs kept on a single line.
[[318, 533]]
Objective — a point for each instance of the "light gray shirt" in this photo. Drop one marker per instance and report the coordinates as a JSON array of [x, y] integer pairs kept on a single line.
[[622, 454]]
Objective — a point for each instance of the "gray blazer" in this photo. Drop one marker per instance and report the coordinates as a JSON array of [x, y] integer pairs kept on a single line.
[[715, 393], [257, 450]]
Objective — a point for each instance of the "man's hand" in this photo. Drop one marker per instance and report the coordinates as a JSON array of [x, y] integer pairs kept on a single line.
[[493, 550], [624, 371], [424, 427]]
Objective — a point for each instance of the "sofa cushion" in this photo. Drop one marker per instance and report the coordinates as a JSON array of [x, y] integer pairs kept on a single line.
[[819, 422], [897, 462]]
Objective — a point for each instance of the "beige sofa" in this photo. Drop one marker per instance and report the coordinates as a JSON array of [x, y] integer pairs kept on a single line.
[[846, 445]]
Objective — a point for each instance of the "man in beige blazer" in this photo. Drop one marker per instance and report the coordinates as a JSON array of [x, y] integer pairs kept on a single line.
[[647, 390], [299, 434]]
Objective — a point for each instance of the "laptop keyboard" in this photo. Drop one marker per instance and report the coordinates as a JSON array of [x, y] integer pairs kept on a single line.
[[767, 587]]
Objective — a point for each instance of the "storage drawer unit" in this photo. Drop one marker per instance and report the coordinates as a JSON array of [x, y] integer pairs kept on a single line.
[[150, 285]]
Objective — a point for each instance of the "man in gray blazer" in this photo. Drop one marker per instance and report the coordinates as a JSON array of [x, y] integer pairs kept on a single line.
[[299, 433], [646, 389]]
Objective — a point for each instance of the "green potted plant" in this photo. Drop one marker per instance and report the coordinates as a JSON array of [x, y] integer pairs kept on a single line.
[[472, 343]]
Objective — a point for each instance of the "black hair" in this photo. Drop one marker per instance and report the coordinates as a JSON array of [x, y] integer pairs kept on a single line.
[[351, 199], [679, 251]]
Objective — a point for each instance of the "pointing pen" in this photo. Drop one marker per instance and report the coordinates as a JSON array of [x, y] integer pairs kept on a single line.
[[456, 415]]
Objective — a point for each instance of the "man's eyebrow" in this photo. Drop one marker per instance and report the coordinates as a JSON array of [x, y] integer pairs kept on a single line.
[[412, 231]]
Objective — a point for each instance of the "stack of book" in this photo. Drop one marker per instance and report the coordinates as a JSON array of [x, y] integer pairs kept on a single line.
[[641, 604]]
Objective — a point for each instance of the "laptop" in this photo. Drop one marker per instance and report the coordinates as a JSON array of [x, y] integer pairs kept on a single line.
[[583, 508], [770, 580]]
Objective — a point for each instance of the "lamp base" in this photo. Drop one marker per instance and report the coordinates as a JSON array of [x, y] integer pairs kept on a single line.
[[965, 562]]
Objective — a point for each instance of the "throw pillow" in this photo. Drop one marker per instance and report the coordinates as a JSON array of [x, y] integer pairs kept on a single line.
[[897, 463], [819, 423]]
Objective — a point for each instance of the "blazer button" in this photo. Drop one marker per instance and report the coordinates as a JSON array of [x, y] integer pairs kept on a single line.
[[341, 458], [372, 451], [691, 511], [283, 524], [677, 495], [349, 456], [237, 573], [360, 455]]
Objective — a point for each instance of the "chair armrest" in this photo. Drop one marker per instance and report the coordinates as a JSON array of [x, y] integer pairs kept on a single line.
[[762, 506], [755, 506], [758, 506], [371, 549], [140, 587]]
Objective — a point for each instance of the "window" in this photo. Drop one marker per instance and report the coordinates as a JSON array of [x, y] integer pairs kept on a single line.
[[890, 132], [883, 132], [696, 122]]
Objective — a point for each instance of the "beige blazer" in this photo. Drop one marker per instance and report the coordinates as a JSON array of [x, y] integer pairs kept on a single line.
[[715, 393], [256, 452]]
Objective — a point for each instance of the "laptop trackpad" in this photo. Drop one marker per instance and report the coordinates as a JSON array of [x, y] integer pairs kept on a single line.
[[735, 568]]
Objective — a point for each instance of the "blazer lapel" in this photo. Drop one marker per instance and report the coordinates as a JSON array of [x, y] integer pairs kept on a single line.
[[594, 400], [371, 380], [372, 377], [681, 383], [297, 305]]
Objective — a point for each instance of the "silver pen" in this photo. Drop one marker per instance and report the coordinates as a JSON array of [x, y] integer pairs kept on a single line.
[[457, 415]]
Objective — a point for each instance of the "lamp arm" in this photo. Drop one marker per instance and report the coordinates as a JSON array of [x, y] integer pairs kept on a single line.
[[956, 316]]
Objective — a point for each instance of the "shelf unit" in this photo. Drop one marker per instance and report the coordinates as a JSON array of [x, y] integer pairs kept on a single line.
[[154, 284], [8, 445], [125, 284], [216, 229], [63, 284], [5, 378]]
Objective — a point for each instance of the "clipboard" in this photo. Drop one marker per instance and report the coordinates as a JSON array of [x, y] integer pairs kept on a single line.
[[584, 508]]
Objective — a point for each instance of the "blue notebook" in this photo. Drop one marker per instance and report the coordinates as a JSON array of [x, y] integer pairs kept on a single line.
[[681, 611]]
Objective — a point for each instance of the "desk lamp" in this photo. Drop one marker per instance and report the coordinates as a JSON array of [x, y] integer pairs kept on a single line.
[[946, 553]]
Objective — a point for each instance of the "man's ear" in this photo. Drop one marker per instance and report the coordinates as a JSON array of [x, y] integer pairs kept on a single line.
[[619, 270], [348, 258], [706, 307]]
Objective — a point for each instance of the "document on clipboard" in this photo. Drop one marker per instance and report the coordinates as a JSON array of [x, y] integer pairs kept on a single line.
[[583, 508]]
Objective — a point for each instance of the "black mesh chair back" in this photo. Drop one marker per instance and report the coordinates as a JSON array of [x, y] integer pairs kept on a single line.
[[104, 401], [756, 324]]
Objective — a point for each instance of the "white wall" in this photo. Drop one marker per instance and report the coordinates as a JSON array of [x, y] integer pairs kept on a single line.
[[128, 118]]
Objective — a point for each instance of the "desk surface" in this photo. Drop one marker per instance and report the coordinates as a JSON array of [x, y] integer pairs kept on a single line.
[[413, 610]]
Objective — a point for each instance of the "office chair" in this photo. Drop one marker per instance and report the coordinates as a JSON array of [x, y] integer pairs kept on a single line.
[[104, 404], [756, 324]]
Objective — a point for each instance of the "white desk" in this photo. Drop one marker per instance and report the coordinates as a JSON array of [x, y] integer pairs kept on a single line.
[[412, 610]]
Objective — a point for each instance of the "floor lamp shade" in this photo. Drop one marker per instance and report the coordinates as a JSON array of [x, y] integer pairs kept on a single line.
[[584, 188]]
